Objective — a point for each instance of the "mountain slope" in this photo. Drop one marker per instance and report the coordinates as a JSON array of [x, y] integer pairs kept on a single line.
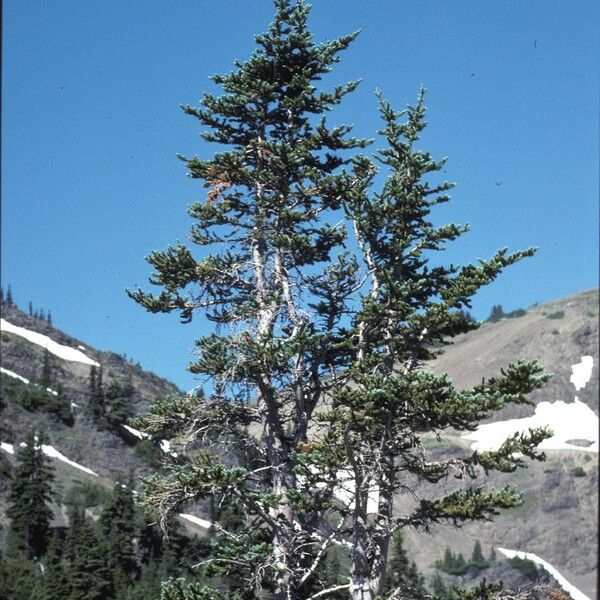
[[558, 521]]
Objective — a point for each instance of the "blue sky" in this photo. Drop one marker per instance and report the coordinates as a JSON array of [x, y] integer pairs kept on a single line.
[[91, 127]]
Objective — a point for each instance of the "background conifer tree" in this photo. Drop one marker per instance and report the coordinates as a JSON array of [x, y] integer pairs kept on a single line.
[[305, 322], [30, 495], [46, 379], [55, 582], [117, 524], [9, 296], [89, 570]]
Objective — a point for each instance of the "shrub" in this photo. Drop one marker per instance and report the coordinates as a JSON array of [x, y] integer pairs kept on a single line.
[[578, 472], [555, 332], [147, 451], [519, 312], [559, 314], [525, 567], [86, 494]]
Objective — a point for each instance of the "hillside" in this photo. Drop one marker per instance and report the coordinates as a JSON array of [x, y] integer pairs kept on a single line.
[[557, 523], [82, 449]]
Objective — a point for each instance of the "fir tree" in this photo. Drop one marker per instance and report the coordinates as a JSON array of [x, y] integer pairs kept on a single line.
[[9, 297], [89, 570], [96, 394], [55, 584], [118, 530], [313, 324], [49, 318], [1, 294], [30, 309], [46, 379], [116, 404], [30, 494], [496, 314], [477, 558]]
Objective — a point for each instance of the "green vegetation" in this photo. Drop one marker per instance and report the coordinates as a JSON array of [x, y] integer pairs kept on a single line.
[[497, 313], [35, 398], [121, 556], [559, 314], [578, 472], [457, 565], [525, 566]]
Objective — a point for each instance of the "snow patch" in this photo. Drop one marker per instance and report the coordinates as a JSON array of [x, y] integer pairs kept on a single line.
[[197, 520], [568, 420], [54, 453], [64, 352], [165, 445], [82, 347], [582, 372], [7, 447], [568, 587], [13, 374], [346, 490], [138, 434]]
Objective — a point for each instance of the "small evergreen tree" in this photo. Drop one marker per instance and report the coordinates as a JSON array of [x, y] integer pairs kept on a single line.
[[477, 558], [117, 524], [89, 570], [55, 582], [117, 413], [496, 314], [49, 318], [46, 379], [30, 494], [96, 394], [30, 309], [9, 297]]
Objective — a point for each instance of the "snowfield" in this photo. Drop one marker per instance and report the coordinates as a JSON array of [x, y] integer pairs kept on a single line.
[[7, 447], [138, 434], [14, 375], [52, 453], [568, 420], [568, 587], [197, 520], [582, 372], [64, 352]]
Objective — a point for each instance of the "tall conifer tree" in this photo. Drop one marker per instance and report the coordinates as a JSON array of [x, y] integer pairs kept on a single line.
[[30, 495], [304, 322]]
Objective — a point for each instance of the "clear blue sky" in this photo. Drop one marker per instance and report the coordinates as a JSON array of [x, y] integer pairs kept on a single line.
[[91, 127]]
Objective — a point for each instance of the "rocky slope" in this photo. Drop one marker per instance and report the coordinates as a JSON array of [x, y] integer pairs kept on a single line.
[[558, 521]]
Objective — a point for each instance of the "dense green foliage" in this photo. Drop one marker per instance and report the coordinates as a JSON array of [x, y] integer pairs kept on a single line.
[[36, 398], [30, 494], [121, 556]]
